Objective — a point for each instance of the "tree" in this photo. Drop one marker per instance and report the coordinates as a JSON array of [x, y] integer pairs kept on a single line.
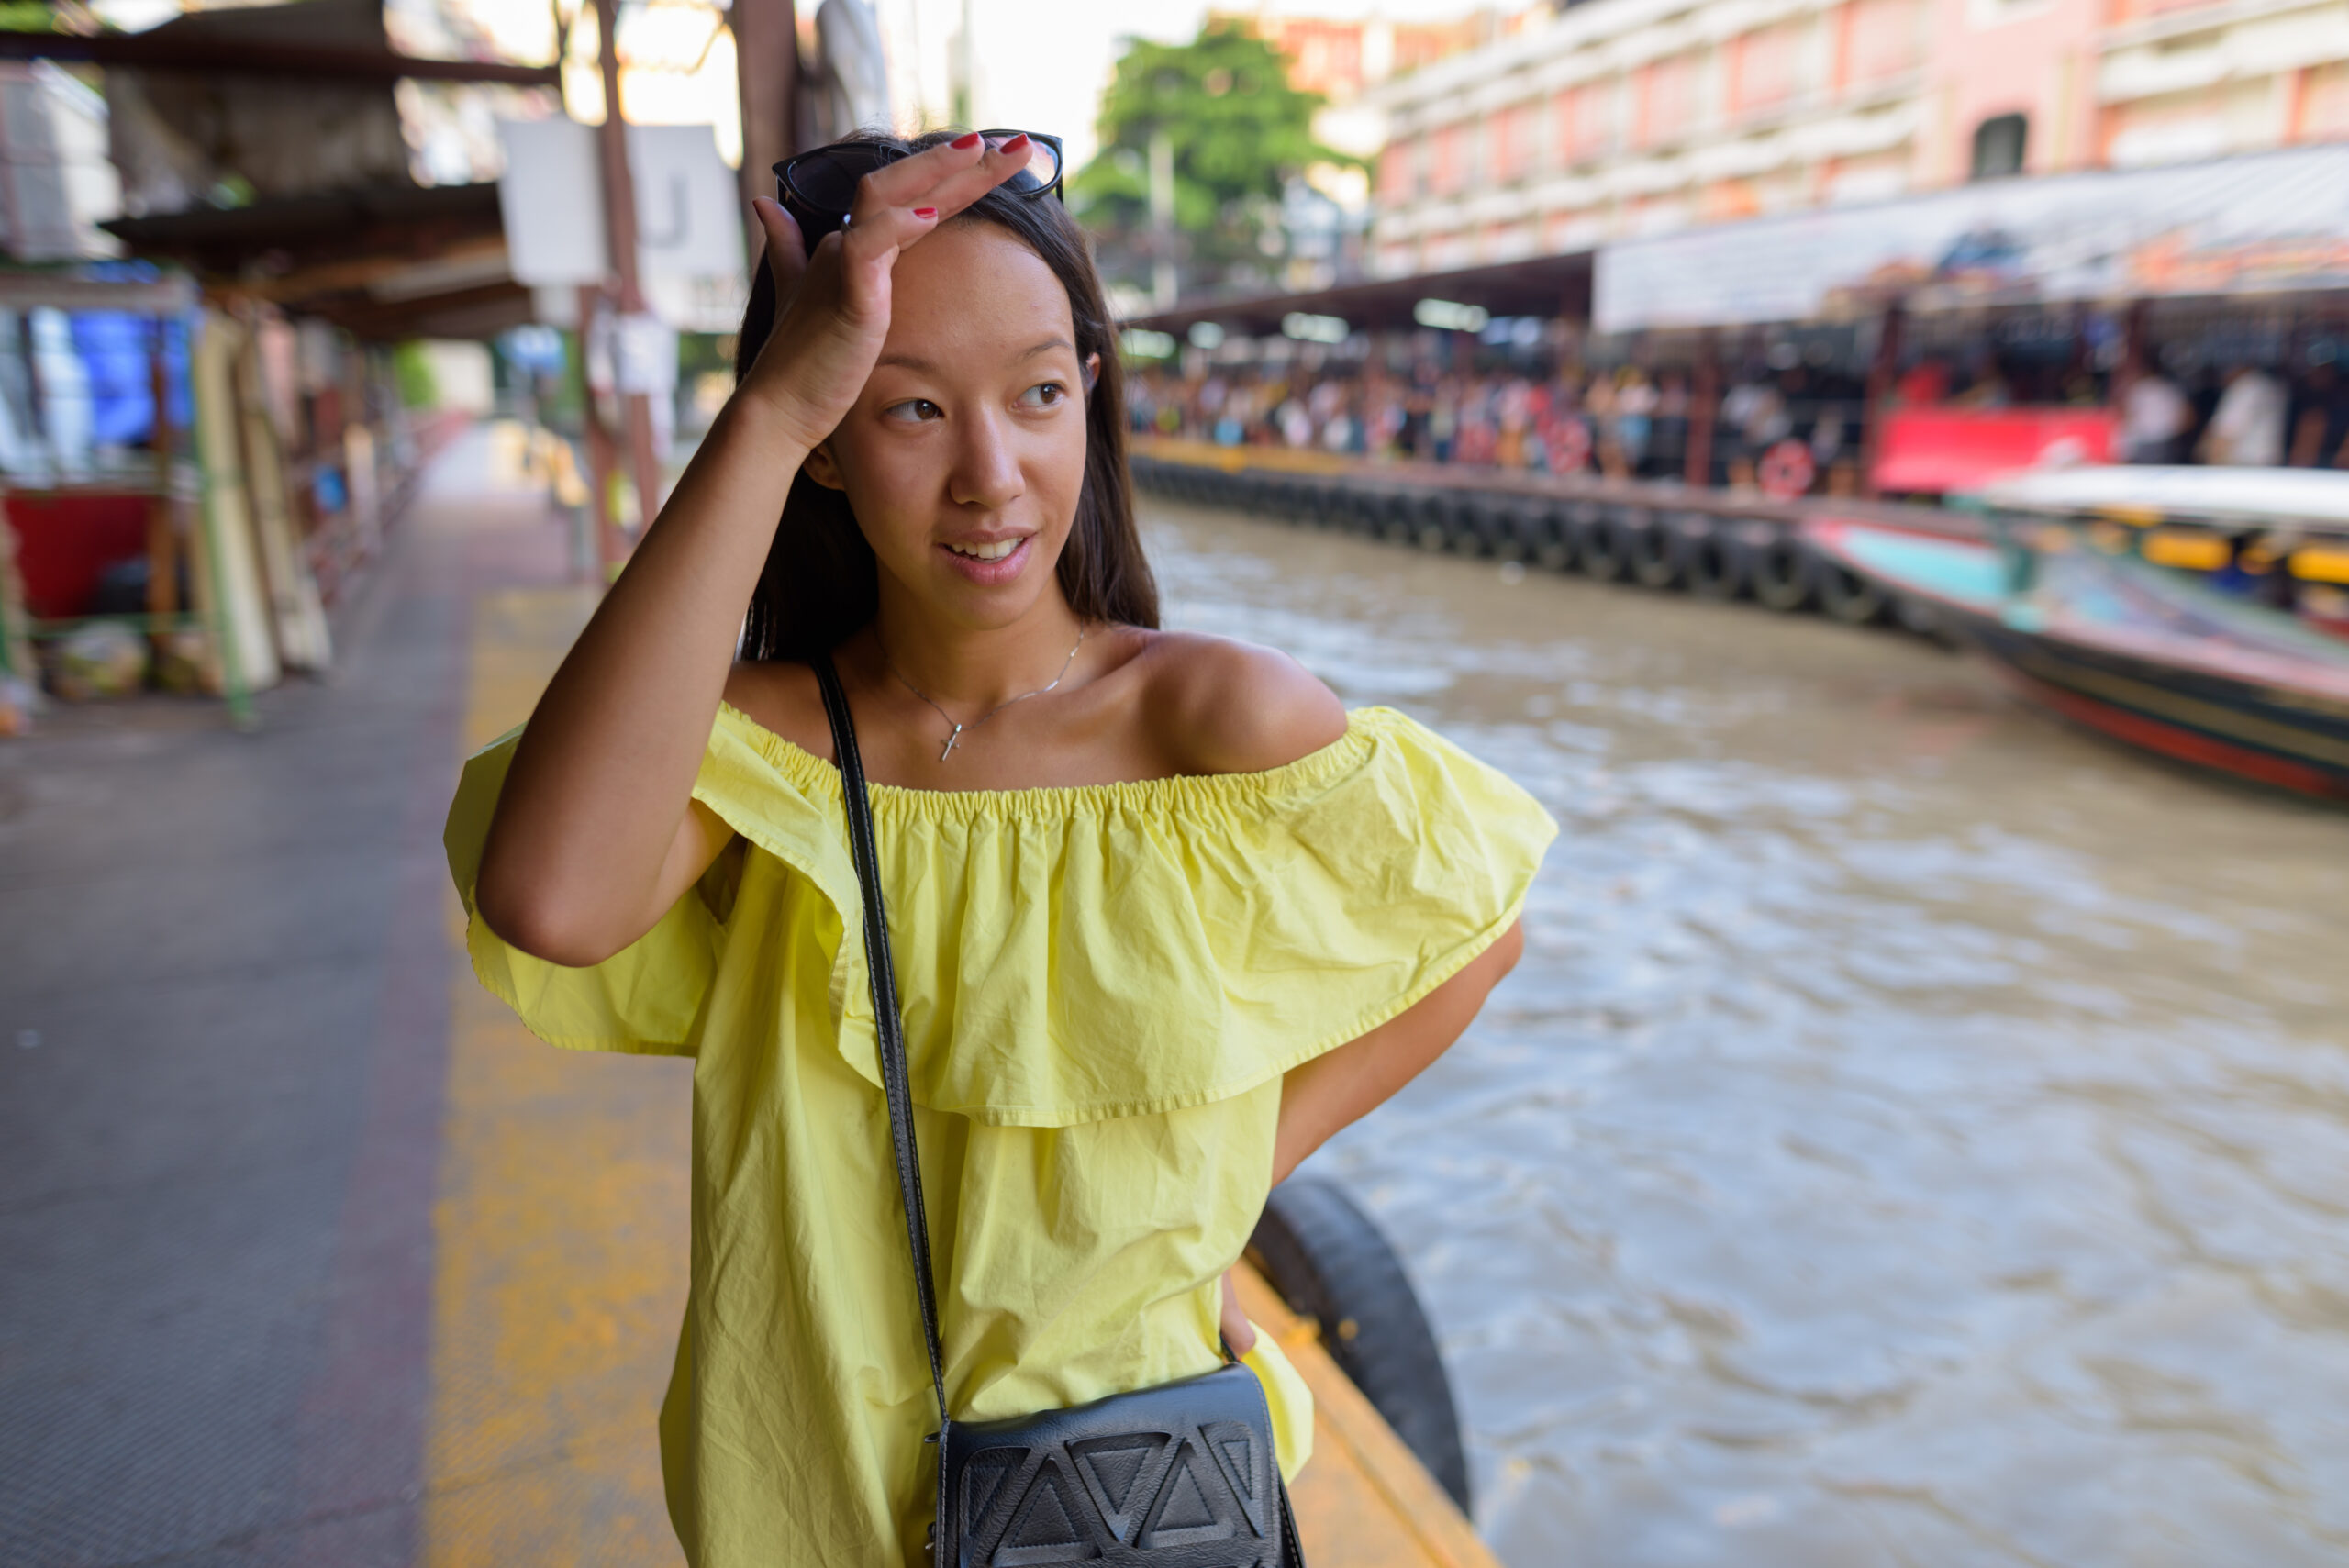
[[1237, 132]]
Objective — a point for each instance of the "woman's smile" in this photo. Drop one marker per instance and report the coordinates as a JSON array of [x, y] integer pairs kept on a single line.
[[988, 562]]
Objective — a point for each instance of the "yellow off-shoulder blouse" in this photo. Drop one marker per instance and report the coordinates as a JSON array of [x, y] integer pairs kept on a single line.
[[1102, 988]]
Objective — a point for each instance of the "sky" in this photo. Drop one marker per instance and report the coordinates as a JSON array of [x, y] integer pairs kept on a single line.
[[1042, 63]]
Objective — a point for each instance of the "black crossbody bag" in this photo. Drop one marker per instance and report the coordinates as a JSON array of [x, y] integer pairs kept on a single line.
[[1182, 1475]]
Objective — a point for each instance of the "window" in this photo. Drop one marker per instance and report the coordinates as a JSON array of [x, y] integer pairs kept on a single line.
[[1998, 146], [1584, 121], [1667, 101]]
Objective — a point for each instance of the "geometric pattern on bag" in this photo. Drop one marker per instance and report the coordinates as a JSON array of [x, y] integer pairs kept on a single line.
[[1194, 1498]]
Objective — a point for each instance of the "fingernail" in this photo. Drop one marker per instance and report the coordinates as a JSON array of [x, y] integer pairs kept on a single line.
[[925, 213], [967, 140], [1017, 144]]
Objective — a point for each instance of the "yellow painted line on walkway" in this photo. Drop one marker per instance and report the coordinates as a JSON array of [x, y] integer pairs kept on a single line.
[[560, 1231]]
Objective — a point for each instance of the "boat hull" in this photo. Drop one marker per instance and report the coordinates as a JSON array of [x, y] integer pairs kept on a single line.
[[2280, 738], [2227, 698]]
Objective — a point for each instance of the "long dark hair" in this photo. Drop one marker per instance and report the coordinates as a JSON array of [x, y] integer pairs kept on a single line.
[[820, 583]]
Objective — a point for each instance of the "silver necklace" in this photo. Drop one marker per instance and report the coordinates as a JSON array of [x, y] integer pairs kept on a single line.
[[956, 739]]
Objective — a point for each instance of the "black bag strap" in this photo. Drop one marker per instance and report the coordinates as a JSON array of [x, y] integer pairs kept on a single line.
[[887, 1023]]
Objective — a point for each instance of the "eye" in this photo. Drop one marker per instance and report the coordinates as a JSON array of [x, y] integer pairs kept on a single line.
[[914, 411], [1043, 395]]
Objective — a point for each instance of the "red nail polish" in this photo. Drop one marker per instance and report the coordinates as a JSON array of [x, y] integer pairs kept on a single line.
[[1017, 144], [967, 140], [925, 213]]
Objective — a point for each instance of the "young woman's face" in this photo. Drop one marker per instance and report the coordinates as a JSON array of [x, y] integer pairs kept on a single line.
[[965, 454]]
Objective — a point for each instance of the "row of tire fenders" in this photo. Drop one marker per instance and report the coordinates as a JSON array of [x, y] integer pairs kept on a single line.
[[1710, 556]]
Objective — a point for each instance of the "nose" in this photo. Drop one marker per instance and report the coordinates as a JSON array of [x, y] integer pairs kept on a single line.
[[986, 475]]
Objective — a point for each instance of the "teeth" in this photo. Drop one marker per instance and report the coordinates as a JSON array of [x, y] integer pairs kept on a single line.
[[994, 551]]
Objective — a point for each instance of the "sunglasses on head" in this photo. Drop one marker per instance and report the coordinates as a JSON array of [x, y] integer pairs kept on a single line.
[[819, 187]]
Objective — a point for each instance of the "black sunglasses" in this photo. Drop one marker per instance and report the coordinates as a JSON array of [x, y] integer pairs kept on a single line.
[[819, 187]]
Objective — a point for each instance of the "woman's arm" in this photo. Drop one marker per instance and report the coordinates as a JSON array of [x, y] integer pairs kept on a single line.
[[1340, 1087], [596, 835]]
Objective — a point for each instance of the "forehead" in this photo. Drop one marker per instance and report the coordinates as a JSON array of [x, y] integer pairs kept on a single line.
[[972, 292]]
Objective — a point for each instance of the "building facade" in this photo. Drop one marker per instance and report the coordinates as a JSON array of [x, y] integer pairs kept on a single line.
[[1616, 118]]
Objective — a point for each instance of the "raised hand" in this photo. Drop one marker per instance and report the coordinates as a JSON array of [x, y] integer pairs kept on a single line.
[[833, 307]]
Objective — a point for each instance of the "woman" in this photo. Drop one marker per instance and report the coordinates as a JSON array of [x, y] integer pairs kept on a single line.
[[1164, 915]]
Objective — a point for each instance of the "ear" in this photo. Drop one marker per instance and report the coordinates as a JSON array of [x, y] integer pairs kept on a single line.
[[822, 467], [1092, 372]]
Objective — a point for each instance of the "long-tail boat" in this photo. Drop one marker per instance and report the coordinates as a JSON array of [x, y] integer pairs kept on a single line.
[[2117, 623]]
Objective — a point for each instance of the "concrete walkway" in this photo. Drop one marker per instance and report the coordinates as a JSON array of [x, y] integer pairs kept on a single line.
[[272, 1290]]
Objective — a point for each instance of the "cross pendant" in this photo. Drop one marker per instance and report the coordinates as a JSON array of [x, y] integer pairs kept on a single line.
[[951, 741]]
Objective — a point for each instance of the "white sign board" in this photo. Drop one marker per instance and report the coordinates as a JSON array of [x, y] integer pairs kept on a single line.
[[688, 222]]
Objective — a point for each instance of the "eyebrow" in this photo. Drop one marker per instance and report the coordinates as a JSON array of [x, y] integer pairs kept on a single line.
[[916, 362]]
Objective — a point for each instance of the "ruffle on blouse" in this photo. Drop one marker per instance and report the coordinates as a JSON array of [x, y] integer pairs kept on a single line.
[[1069, 954]]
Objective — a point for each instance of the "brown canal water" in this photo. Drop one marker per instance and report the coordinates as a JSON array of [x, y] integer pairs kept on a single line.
[[1918, 1133]]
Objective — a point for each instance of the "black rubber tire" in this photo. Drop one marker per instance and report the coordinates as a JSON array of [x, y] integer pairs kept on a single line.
[[1846, 596], [1576, 524], [1605, 549], [1476, 525], [1516, 528], [1327, 509], [1920, 617], [1780, 570], [1654, 563], [1329, 1263], [1289, 503], [1709, 567], [1398, 521], [1431, 525]]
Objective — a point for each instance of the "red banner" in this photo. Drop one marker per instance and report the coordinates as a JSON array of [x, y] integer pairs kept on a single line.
[[1937, 450]]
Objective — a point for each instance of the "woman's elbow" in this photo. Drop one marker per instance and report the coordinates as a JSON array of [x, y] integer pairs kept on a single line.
[[529, 921]]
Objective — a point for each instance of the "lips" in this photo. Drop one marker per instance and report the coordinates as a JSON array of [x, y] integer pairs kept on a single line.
[[988, 562]]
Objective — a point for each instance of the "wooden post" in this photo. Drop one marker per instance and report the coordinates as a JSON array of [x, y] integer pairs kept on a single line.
[[1704, 404], [602, 460], [766, 52], [620, 229], [163, 522], [1882, 373]]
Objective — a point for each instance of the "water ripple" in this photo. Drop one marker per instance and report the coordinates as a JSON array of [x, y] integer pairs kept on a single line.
[[1917, 1134]]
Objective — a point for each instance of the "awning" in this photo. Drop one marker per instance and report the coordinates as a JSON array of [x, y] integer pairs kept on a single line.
[[2266, 224], [1547, 286], [387, 263]]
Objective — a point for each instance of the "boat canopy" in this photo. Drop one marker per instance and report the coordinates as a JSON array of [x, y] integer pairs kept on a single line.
[[2264, 497]]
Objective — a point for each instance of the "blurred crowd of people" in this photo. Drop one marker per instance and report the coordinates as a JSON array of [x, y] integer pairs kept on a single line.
[[1623, 422], [2248, 415], [1786, 430]]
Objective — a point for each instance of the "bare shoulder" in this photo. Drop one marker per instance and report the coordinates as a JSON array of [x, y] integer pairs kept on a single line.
[[781, 697], [1220, 706]]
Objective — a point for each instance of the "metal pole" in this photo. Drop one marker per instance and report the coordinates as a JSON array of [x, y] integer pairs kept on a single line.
[[1704, 403], [766, 51], [620, 229], [603, 553], [1881, 374], [1164, 284]]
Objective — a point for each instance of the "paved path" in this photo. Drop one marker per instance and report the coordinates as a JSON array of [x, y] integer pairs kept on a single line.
[[292, 1247]]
